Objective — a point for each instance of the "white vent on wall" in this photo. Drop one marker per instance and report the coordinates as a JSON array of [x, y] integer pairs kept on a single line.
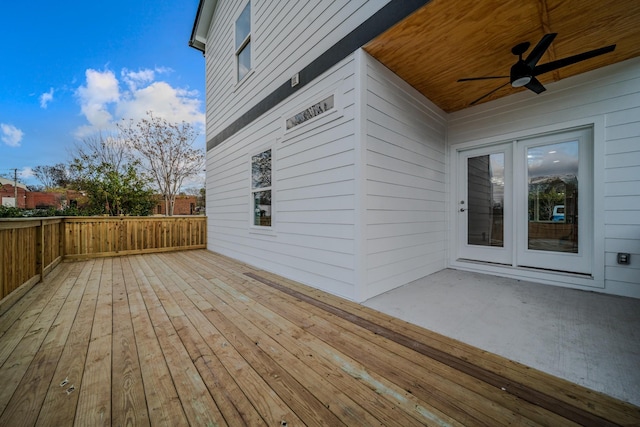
[[295, 79]]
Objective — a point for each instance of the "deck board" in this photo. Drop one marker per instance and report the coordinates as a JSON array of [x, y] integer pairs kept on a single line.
[[59, 407], [27, 400], [127, 390], [288, 345], [18, 362], [162, 398], [200, 408], [445, 394], [94, 406], [187, 338]]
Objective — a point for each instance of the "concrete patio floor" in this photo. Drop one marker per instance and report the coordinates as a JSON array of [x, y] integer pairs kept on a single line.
[[588, 338]]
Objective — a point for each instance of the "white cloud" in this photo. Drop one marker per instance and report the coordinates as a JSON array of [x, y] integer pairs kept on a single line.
[[11, 135], [101, 90], [46, 98], [26, 173], [133, 79], [165, 101], [103, 102]]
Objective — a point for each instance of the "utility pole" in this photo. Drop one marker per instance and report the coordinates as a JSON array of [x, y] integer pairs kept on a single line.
[[15, 187]]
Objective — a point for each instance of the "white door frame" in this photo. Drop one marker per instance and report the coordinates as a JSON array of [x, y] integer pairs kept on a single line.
[[581, 262], [494, 254], [597, 124]]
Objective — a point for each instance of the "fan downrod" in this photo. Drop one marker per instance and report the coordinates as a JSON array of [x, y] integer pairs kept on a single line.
[[521, 48]]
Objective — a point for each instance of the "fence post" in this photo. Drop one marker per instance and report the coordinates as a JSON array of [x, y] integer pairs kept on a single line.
[[122, 244], [40, 249], [61, 237]]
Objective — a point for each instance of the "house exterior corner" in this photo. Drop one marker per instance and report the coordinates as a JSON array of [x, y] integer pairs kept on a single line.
[[327, 168]]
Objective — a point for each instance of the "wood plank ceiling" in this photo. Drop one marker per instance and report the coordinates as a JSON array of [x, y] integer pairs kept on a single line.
[[447, 40]]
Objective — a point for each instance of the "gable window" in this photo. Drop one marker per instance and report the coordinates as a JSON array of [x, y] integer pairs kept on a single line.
[[261, 189], [243, 42]]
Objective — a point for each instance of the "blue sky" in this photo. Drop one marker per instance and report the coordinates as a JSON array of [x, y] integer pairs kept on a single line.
[[69, 69]]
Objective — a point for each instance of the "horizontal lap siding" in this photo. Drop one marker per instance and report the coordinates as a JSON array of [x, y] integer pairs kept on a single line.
[[284, 39], [313, 184], [622, 194], [612, 94], [405, 197]]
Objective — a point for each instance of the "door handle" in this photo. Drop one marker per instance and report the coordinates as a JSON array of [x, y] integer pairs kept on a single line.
[[462, 209]]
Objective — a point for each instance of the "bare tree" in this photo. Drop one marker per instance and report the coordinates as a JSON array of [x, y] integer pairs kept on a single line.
[[52, 176], [106, 149], [167, 152]]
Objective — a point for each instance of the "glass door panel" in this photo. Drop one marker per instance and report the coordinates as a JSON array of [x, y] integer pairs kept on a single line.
[[485, 185], [483, 222], [552, 172], [555, 211]]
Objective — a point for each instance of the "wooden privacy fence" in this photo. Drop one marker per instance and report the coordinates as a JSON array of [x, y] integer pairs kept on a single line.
[[86, 237], [31, 247], [29, 250]]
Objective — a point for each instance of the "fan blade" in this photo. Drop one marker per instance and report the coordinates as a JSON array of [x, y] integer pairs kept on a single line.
[[540, 49], [469, 79], [490, 93], [535, 86], [554, 65]]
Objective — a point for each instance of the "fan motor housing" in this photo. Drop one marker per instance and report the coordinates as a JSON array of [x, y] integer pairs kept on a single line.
[[521, 74]]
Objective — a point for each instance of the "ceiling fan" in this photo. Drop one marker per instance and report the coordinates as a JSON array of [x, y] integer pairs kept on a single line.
[[524, 72]]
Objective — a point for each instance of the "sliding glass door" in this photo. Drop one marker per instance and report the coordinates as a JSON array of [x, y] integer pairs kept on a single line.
[[528, 203]]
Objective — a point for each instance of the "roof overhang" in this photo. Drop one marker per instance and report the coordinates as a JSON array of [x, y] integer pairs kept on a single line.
[[447, 40], [4, 181], [201, 24]]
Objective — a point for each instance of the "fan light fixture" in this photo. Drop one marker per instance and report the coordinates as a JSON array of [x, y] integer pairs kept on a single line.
[[521, 81]]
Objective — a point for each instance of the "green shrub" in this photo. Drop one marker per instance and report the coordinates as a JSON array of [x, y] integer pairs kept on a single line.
[[10, 212]]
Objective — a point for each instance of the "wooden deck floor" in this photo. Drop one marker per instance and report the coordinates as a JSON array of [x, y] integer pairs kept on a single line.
[[194, 338]]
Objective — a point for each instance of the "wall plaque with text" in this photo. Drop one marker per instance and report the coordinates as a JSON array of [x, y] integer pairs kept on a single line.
[[309, 113]]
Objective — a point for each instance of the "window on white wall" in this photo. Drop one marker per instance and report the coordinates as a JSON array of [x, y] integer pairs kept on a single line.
[[243, 42], [261, 189]]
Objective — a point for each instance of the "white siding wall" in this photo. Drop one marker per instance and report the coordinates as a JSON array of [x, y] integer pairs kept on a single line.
[[405, 234], [609, 96], [313, 184], [400, 173], [286, 36]]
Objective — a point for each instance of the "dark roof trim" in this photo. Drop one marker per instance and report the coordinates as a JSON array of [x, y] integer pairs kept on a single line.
[[392, 13], [198, 39]]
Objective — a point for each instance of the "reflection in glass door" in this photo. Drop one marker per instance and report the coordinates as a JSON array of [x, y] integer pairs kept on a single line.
[[485, 184], [552, 173]]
